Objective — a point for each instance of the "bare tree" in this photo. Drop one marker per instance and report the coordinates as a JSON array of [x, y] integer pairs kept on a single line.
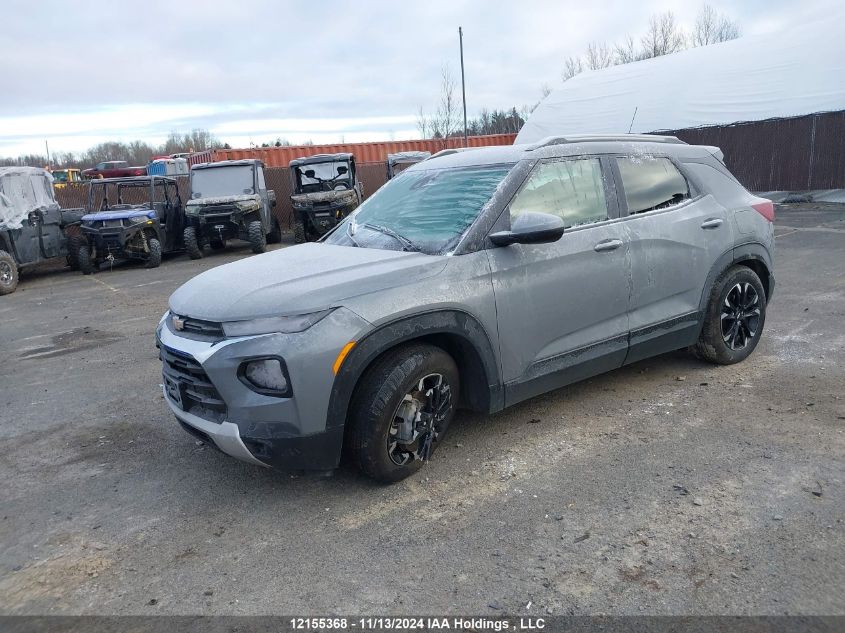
[[571, 67], [664, 36], [599, 55], [712, 27], [423, 123], [626, 52], [545, 91], [445, 121]]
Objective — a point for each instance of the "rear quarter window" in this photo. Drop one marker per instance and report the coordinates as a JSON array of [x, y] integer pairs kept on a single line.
[[651, 182], [724, 188]]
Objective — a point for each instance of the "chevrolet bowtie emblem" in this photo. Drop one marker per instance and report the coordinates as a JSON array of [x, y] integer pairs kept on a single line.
[[178, 323]]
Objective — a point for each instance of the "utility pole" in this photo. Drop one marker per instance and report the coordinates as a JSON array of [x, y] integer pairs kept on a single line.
[[47, 146], [463, 85]]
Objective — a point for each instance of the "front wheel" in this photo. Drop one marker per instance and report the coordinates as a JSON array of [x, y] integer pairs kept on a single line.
[[401, 411], [257, 238], [83, 258], [299, 236], [154, 256], [734, 318], [189, 236], [8, 274]]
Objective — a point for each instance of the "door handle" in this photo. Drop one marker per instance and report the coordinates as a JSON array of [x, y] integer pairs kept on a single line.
[[712, 223], [607, 245]]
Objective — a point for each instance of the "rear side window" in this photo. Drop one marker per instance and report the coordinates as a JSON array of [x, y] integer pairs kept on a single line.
[[570, 189], [651, 182]]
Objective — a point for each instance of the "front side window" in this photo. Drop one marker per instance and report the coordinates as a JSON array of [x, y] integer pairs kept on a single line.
[[425, 211], [651, 182], [570, 189]]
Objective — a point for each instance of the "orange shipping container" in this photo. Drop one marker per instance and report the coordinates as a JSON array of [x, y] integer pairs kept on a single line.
[[375, 152]]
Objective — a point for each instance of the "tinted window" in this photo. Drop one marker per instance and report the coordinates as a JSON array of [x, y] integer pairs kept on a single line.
[[571, 189], [651, 183]]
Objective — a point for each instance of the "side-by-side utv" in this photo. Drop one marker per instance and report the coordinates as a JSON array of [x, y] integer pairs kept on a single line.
[[33, 227], [230, 200], [137, 218], [397, 163], [325, 190]]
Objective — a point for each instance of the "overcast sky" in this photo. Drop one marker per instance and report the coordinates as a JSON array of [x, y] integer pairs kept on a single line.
[[254, 70]]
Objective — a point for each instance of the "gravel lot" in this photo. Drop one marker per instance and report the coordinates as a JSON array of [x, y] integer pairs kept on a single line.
[[667, 487]]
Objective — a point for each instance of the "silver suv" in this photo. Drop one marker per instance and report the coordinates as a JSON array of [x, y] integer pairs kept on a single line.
[[475, 279]]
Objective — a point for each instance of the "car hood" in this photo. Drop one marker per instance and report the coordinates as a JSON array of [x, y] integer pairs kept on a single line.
[[242, 197], [298, 280], [120, 214]]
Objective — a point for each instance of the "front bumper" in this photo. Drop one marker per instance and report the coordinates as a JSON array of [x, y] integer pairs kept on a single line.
[[288, 433]]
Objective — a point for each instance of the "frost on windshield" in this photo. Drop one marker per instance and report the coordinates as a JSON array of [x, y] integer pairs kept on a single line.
[[215, 182], [430, 208], [23, 190]]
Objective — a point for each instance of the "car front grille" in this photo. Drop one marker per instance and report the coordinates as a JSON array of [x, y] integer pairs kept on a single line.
[[190, 387], [202, 328]]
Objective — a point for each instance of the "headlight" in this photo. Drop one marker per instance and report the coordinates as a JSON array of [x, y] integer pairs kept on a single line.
[[141, 219], [269, 325], [267, 376], [192, 209], [300, 205]]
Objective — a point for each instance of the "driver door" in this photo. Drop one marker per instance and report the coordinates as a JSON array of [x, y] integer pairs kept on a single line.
[[562, 307]]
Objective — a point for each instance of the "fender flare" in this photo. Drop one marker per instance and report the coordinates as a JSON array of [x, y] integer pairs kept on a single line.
[[751, 251], [453, 323]]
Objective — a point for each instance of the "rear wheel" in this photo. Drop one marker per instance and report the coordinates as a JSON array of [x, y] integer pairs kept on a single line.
[[275, 235], [154, 257], [257, 238], [8, 274], [401, 411], [733, 322], [189, 236], [83, 258]]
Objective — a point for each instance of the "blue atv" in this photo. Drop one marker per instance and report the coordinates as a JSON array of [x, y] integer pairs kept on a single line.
[[134, 218]]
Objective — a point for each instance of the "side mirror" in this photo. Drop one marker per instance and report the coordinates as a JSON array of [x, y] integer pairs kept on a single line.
[[309, 173], [531, 228], [342, 170]]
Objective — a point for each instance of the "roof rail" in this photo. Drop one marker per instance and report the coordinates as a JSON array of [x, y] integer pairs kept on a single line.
[[598, 138]]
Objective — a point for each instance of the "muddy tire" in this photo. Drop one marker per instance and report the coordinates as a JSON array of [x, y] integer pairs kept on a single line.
[[154, 257], [734, 317], [83, 258], [299, 236], [395, 389], [257, 238], [189, 236], [275, 235], [73, 245], [8, 274]]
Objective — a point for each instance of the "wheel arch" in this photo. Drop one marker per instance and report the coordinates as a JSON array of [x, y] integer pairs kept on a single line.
[[458, 333], [752, 255]]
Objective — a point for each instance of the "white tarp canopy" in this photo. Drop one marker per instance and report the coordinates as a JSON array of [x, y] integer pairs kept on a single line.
[[798, 71], [22, 190]]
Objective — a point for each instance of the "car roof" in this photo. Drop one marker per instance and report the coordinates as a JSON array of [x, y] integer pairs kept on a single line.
[[560, 147], [320, 158], [229, 163]]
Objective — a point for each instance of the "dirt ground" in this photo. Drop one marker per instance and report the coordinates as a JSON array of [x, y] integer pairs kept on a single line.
[[667, 487]]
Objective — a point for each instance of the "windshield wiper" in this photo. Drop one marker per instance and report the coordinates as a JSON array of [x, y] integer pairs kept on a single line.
[[407, 244], [350, 231]]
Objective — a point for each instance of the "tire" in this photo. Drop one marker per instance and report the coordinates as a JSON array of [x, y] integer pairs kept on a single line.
[[8, 274], [375, 407], [734, 317], [83, 258], [189, 236], [299, 236], [154, 258], [275, 235], [73, 244], [257, 238], [218, 245]]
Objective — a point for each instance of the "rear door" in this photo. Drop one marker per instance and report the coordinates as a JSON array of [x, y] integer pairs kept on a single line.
[[676, 234], [561, 307]]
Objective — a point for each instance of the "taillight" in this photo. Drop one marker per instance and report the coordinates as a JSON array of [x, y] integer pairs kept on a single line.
[[765, 208]]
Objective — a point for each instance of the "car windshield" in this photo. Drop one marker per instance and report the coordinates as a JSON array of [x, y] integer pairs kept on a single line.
[[215, 182], [60, 176], [426, 211], [323, 173]]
